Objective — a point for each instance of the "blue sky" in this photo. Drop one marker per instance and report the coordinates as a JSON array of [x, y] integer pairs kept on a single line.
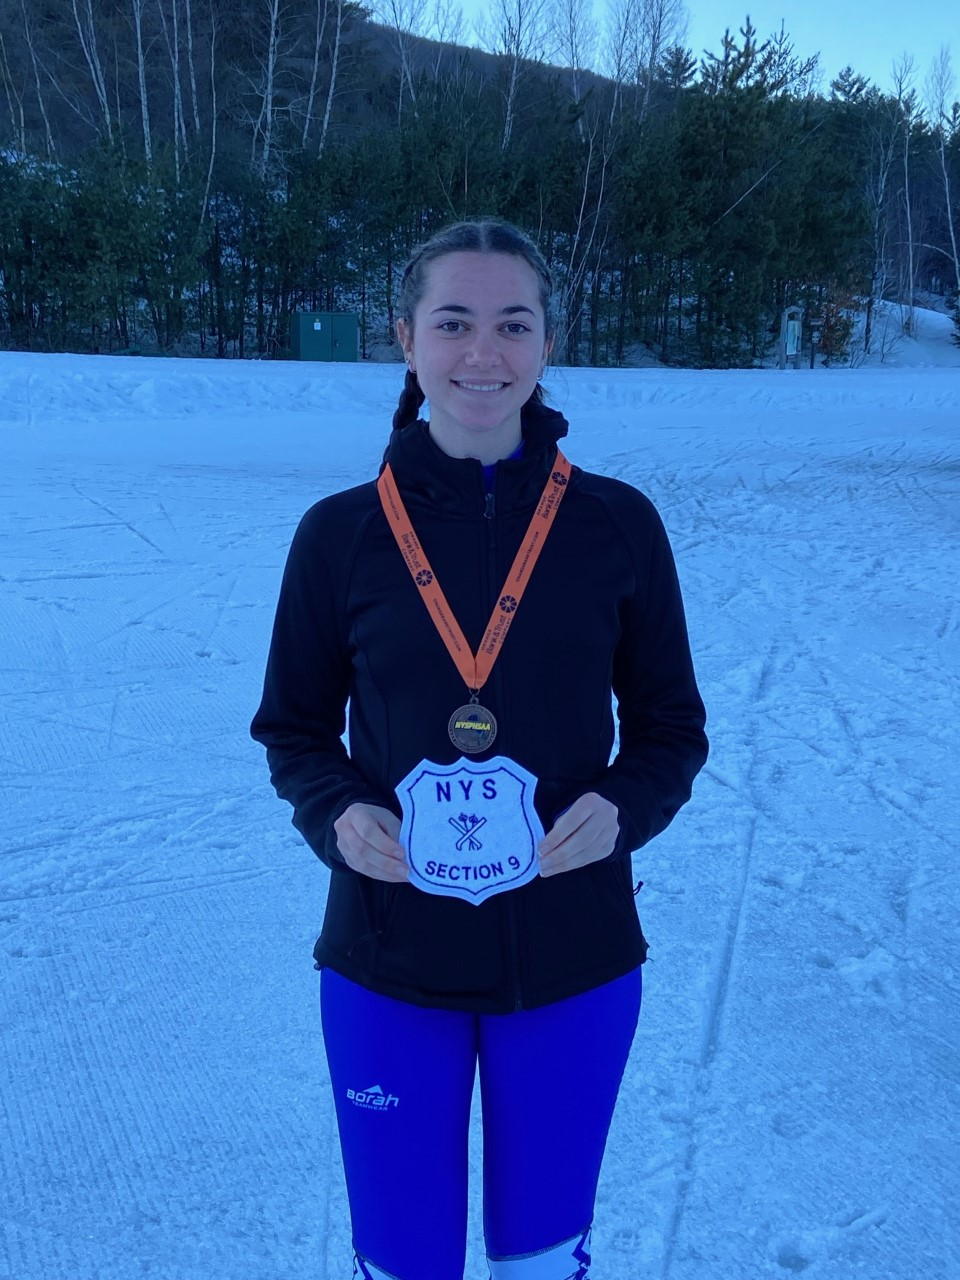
[[866, 34]]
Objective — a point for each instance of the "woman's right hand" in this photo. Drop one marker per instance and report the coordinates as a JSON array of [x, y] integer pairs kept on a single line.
[[367, 838]]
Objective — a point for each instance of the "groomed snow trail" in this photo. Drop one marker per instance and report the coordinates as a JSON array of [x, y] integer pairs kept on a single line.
[[792, 1103]]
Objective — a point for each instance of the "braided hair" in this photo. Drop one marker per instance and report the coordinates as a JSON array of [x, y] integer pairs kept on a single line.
[[487, 235], [411, 398]]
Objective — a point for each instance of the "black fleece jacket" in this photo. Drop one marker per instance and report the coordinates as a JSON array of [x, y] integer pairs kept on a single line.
[[602, 614]]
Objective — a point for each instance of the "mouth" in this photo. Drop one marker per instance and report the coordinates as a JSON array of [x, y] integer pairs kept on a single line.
[[479, 386]]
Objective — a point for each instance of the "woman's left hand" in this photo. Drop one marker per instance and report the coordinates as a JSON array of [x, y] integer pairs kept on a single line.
[[584, 833]]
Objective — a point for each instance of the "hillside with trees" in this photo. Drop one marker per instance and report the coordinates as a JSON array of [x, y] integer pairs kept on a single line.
[[184, 175]]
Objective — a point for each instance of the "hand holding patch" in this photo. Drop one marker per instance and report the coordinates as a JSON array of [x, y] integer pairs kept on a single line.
[[367, 838], [584, 833]]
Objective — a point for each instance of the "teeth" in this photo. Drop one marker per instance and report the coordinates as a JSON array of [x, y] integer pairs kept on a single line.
[[481, 386]]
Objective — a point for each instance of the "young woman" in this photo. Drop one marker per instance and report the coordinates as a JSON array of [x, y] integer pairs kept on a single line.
[[476, 608]]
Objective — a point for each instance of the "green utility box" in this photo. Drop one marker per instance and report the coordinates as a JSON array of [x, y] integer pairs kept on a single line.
[[325, 335]]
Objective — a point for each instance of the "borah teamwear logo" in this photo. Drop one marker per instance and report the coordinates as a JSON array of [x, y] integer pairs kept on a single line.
[[372, 1099]]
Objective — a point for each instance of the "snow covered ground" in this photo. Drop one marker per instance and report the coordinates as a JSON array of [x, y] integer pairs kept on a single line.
[[792, 1105]]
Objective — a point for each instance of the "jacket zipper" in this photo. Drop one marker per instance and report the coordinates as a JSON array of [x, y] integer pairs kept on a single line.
[[489, 514]]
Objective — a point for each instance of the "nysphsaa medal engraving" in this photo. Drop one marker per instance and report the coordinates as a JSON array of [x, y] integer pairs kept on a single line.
[[472, 728]]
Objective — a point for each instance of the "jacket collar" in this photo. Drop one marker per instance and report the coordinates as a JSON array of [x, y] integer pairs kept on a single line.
[[427, 476]]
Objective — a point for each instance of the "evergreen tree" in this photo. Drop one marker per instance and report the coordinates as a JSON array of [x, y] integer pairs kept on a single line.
[[233, 161]]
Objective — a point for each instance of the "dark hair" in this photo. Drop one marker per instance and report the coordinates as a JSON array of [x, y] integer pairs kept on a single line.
[[488, 235]]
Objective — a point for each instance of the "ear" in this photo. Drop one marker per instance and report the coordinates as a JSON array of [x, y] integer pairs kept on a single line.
[[405, 338], [547, 349]]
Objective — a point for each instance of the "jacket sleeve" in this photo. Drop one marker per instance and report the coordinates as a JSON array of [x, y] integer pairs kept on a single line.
[[302, 714], [661, 715]]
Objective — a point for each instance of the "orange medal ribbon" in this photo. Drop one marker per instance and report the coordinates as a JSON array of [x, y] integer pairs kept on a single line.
[[474, 668]]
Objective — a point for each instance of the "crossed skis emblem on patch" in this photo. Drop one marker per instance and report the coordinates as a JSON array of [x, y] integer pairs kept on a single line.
[[468, 824]]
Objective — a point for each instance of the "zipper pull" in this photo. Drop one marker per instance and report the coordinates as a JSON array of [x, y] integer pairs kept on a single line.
[[488, 511]]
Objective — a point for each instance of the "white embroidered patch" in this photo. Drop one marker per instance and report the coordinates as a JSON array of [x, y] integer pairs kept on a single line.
[[470, 828]]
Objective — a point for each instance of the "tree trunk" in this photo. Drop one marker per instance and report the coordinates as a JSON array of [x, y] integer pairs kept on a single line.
[[261, 319], [947, 197], [334, 64], [884, 136], [266, 113], [322, 8], [14, 100], [391, 321], [941, 85], [595, 316], [511, 99], [622, 315], [180, 119], [680, 304], [910, 325], [191, 68], [87, 32], [213, 122], [35, 64], [173, 52], [142, 81]]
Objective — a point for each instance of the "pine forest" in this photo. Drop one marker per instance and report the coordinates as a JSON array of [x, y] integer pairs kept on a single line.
[[183, 176]]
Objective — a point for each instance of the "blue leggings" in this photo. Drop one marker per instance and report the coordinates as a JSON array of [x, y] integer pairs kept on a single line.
[[403, 1079]]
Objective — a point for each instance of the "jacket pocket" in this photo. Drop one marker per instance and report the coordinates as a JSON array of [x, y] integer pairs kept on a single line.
[[376, 901], [614, 887], [387, 908]]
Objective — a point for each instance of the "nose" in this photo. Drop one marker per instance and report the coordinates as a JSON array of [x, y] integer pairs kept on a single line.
[[484, 351]]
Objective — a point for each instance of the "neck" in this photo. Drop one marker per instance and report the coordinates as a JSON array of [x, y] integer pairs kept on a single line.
[[486, 446]]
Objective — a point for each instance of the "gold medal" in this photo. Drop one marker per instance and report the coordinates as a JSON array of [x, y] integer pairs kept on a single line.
[[472, 728]]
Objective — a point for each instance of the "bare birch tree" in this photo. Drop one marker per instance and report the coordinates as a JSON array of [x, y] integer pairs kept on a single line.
[[191, 69], [87, 33], [576, 44], [639, 33], [616, 60], [334, 67], [884, 134], [14, 99], [586, 244], [171, 36], [405, 18], [939, 91], [323, 7], [908, 113], [264, 125], [446, 27], [517, 34], [663, 24], [214, 31], [29, 40], [137, 7]]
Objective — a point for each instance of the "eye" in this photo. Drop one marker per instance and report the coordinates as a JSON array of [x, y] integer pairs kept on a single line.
[[450, 326], [517, 327]]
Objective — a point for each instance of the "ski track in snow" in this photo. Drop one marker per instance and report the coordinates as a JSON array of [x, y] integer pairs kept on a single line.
[[791, 1104]]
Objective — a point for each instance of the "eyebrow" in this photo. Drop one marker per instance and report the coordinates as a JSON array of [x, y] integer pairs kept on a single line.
[[465, 311]]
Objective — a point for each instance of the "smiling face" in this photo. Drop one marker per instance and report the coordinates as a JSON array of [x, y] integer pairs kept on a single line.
[[478, 346]]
